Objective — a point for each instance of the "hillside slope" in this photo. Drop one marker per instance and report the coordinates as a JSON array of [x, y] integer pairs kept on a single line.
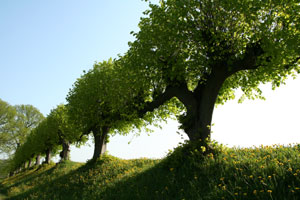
[[228, 173]]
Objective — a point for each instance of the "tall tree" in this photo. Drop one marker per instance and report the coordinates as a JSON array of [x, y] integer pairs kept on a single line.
[[201, 51], [95, 106]]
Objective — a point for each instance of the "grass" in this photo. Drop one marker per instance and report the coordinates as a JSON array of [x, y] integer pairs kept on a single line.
[[271, 172]]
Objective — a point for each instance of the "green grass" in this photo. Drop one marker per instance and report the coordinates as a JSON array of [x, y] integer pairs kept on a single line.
[[227, 173]]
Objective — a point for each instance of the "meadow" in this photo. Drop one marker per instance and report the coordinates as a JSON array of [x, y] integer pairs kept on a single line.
[[189, 172]]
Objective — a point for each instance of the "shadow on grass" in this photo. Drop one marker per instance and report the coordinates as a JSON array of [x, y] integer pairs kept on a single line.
[[97, 181], [184, 174], [25, 178]]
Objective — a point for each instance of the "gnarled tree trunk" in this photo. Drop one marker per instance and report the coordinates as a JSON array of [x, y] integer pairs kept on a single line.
[[48, 156], [100, 136], [11, 173], [200, 103], [197, 122], [29, 163], [65, 153], [38, 159]]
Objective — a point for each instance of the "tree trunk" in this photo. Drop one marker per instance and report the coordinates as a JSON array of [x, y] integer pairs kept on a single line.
[[48, 156], [100, 142], [24, 166], [38, 159], [197, 121], [65, 153], [29, 163], [11, 173]]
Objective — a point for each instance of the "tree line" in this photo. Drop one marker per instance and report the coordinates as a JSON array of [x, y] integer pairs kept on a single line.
[[187, 57]]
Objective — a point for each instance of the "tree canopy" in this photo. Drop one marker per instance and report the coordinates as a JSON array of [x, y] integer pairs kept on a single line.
[[201, 51], [16, 124], [97, 105], [7, 114]]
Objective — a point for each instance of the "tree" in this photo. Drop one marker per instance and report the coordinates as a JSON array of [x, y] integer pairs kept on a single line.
[[200, 52], [62, 128], [96, 106], [28, 117], [7, 115]]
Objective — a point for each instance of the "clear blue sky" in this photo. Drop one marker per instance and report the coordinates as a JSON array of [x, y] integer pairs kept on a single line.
[[45, 46]]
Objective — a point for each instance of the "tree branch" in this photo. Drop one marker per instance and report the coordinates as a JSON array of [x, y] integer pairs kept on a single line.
[[249, 61], [181, 92]]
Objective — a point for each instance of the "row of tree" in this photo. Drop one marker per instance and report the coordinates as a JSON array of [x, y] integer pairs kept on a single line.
[[187, 57], [16, 122], [94, 107]]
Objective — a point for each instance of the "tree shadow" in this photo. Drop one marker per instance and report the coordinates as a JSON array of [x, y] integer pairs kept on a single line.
[[26, 178], [64, 186]]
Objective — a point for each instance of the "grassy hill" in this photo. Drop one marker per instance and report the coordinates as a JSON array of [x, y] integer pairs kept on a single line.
[[227, 173]]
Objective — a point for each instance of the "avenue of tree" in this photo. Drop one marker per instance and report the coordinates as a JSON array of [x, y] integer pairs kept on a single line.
[[188, 56]]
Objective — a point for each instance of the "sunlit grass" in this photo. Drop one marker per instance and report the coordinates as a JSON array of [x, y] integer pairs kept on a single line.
[[266, 172]]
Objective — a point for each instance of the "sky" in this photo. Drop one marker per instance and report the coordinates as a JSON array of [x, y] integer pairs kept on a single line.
[[46, 45]]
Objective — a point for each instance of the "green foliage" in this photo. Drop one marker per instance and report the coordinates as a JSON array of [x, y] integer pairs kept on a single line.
[[212, 48], [62, 128], [28, 117], [16, 122], [51, 133], [270, 172], [102, 98], [7, 114], [182, 40]]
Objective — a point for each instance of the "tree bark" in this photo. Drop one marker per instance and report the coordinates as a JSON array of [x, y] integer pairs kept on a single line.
[[197, 124], [38, 159], [65, 153], [11, 173], [48, 156], [200, 103], [100, 137], [29, 163]]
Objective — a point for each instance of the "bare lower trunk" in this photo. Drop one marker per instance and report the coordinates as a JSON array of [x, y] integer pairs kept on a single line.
[[11, 174], [48, 156], [29, 163], [37, 159], [100, 142], [197, 121], [65, 153]]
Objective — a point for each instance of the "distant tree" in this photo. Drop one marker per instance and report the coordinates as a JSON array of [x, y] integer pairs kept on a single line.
[[200, 52], [40, 141], [45, 140], [7, 115], [28, 117]]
